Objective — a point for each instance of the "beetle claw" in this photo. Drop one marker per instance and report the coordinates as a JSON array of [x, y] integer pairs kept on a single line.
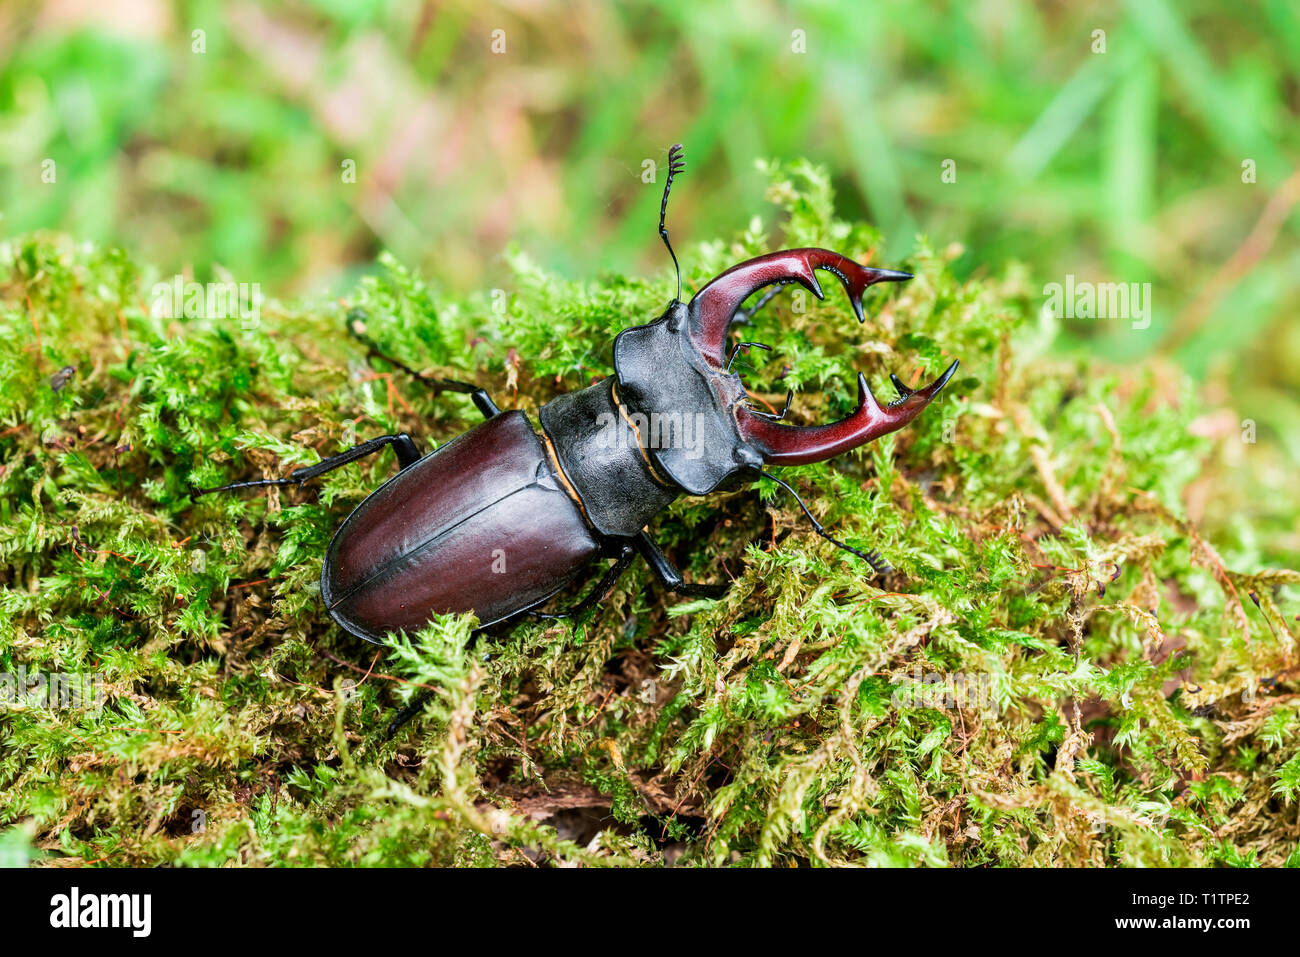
[[866, 398], [715, 306], [787, 445], [933, 388]]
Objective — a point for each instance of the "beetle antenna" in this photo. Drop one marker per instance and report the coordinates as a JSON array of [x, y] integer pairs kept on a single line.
[[676, 164], [871, 557]]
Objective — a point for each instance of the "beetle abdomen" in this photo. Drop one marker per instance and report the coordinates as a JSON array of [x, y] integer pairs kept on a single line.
[[481, 525]]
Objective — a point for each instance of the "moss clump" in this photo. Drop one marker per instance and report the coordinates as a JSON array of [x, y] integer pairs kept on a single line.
[[1062, 670]]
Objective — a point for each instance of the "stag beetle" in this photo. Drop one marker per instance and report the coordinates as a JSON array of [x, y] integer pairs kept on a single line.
[[501, 518]]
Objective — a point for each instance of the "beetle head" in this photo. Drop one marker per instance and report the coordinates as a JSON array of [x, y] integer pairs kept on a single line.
[[675, 369]]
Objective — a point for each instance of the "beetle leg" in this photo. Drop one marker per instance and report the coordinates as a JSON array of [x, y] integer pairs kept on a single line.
[[407, 451], [357, 329], [482, 401], [775, 416], [744, 345], [597, 594], [668, 574], [407, 713], [871, 557]]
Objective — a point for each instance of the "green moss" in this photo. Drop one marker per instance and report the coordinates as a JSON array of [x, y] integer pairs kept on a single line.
[[1105, 663]]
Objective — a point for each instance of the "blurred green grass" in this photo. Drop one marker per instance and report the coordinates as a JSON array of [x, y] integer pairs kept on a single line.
[[1117, 166]]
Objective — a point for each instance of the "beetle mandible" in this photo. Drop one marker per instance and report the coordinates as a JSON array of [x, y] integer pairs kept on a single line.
[[543, 505]]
